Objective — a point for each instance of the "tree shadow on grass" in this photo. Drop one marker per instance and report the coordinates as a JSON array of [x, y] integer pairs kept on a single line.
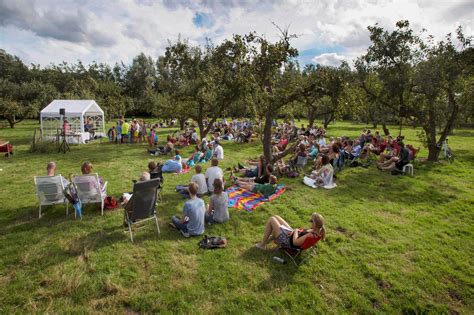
[[360, 184], [280, 274]]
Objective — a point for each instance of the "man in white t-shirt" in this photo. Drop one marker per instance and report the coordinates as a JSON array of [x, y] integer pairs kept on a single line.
[[212, 173], [200, 180], [218, 151]]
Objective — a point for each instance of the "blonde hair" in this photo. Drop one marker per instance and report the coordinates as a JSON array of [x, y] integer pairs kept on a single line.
[[318, 221], [86, 167]]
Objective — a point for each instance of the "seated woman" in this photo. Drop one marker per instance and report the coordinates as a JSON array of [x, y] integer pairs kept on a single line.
[[264, 189], [287, 237], [218, 211], [255, 171], [168, 148], [313, 150], [397, 162], [300, 152], [195, 157], [86, 168], [322, 175], [173, 165], [208, 154]]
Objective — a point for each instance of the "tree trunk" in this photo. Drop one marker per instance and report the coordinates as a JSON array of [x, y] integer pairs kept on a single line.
[[182, 121], [385, 129], [267, 136], [202, 133], [11, 122], [327, 119], [311, 116], [374, 125]]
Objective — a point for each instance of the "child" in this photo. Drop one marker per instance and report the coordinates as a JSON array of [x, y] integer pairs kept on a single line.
[[111, 134]]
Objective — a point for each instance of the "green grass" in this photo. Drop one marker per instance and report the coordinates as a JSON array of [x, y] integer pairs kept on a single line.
[[395, 243]]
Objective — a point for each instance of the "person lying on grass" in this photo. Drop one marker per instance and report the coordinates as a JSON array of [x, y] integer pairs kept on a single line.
[[218, 211], [256, 171], [264, 189], [285, 236], [191, 222], [199, 179], [264, 179]]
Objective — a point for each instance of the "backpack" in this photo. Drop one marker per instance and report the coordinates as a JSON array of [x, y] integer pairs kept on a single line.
[[110, 203], [211, 242]]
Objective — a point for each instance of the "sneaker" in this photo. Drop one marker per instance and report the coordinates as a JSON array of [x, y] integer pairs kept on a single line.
[[185, 234]]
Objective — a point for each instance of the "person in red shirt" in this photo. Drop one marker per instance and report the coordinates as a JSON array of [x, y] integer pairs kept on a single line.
[[287, 237]]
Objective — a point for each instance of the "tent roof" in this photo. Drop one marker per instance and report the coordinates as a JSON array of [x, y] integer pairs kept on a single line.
[[72, 107]]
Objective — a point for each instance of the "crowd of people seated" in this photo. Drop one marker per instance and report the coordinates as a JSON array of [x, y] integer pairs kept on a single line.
[[292, 149]]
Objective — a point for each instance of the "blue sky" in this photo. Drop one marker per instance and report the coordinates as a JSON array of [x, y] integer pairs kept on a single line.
[[329, 31]]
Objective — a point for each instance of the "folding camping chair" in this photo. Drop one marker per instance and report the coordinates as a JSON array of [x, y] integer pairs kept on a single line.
[[295, 254], [7, 148], [50, 191], [142, 205], [89, 190]]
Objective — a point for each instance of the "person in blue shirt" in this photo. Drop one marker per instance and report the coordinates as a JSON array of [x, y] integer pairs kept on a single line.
[[192, 221]]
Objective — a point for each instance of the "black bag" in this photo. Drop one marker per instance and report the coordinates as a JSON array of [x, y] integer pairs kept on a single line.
[[212, 242]]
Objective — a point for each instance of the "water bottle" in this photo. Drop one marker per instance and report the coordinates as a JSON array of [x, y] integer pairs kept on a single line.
[[279, 260]]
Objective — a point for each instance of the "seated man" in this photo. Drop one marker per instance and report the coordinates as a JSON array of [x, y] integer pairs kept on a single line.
[[212, 173], [199, 179], [287, 237], [264, 189], [192, 221], [396, 162], [51, 171], [218, 150]]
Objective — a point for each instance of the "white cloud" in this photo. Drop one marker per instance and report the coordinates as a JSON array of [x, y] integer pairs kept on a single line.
[[329, 59], [109, 31]]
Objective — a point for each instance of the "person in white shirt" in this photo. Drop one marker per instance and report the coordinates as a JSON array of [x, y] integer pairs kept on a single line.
[[199, 179], [212, 173], [218, 151]]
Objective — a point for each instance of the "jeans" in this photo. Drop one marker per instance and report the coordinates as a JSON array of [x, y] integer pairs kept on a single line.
[[183, 190], [177, 222]]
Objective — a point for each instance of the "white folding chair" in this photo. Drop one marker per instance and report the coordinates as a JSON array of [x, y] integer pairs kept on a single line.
[[50, 191], [89, 190]]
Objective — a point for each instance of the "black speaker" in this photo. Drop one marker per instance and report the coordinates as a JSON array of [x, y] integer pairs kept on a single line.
[[62, 111]]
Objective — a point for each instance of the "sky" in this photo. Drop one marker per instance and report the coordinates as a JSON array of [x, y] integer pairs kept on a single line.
[[329, 31]]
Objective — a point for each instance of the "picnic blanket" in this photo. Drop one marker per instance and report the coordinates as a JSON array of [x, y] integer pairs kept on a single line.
[[243, 199]]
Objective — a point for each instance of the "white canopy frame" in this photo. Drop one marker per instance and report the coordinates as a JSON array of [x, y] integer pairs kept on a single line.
[[77, 113]]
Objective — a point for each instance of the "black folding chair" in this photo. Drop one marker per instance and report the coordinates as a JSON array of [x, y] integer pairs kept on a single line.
[[142, 206], [295, 254]]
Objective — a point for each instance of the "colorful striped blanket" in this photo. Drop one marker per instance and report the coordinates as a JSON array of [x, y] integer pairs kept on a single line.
[[243, 199]]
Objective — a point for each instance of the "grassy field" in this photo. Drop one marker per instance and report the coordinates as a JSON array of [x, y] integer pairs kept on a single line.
[[395, 243]]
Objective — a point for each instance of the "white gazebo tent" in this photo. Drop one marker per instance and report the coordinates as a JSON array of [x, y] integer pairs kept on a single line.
[[77, 113]]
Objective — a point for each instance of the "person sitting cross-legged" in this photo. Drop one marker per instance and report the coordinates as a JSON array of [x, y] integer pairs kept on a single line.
[[287, 237], [199, 179], [192, 221], [218, 211]]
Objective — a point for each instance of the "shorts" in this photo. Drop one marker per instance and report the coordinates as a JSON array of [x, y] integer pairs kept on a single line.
[[283, 240]]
